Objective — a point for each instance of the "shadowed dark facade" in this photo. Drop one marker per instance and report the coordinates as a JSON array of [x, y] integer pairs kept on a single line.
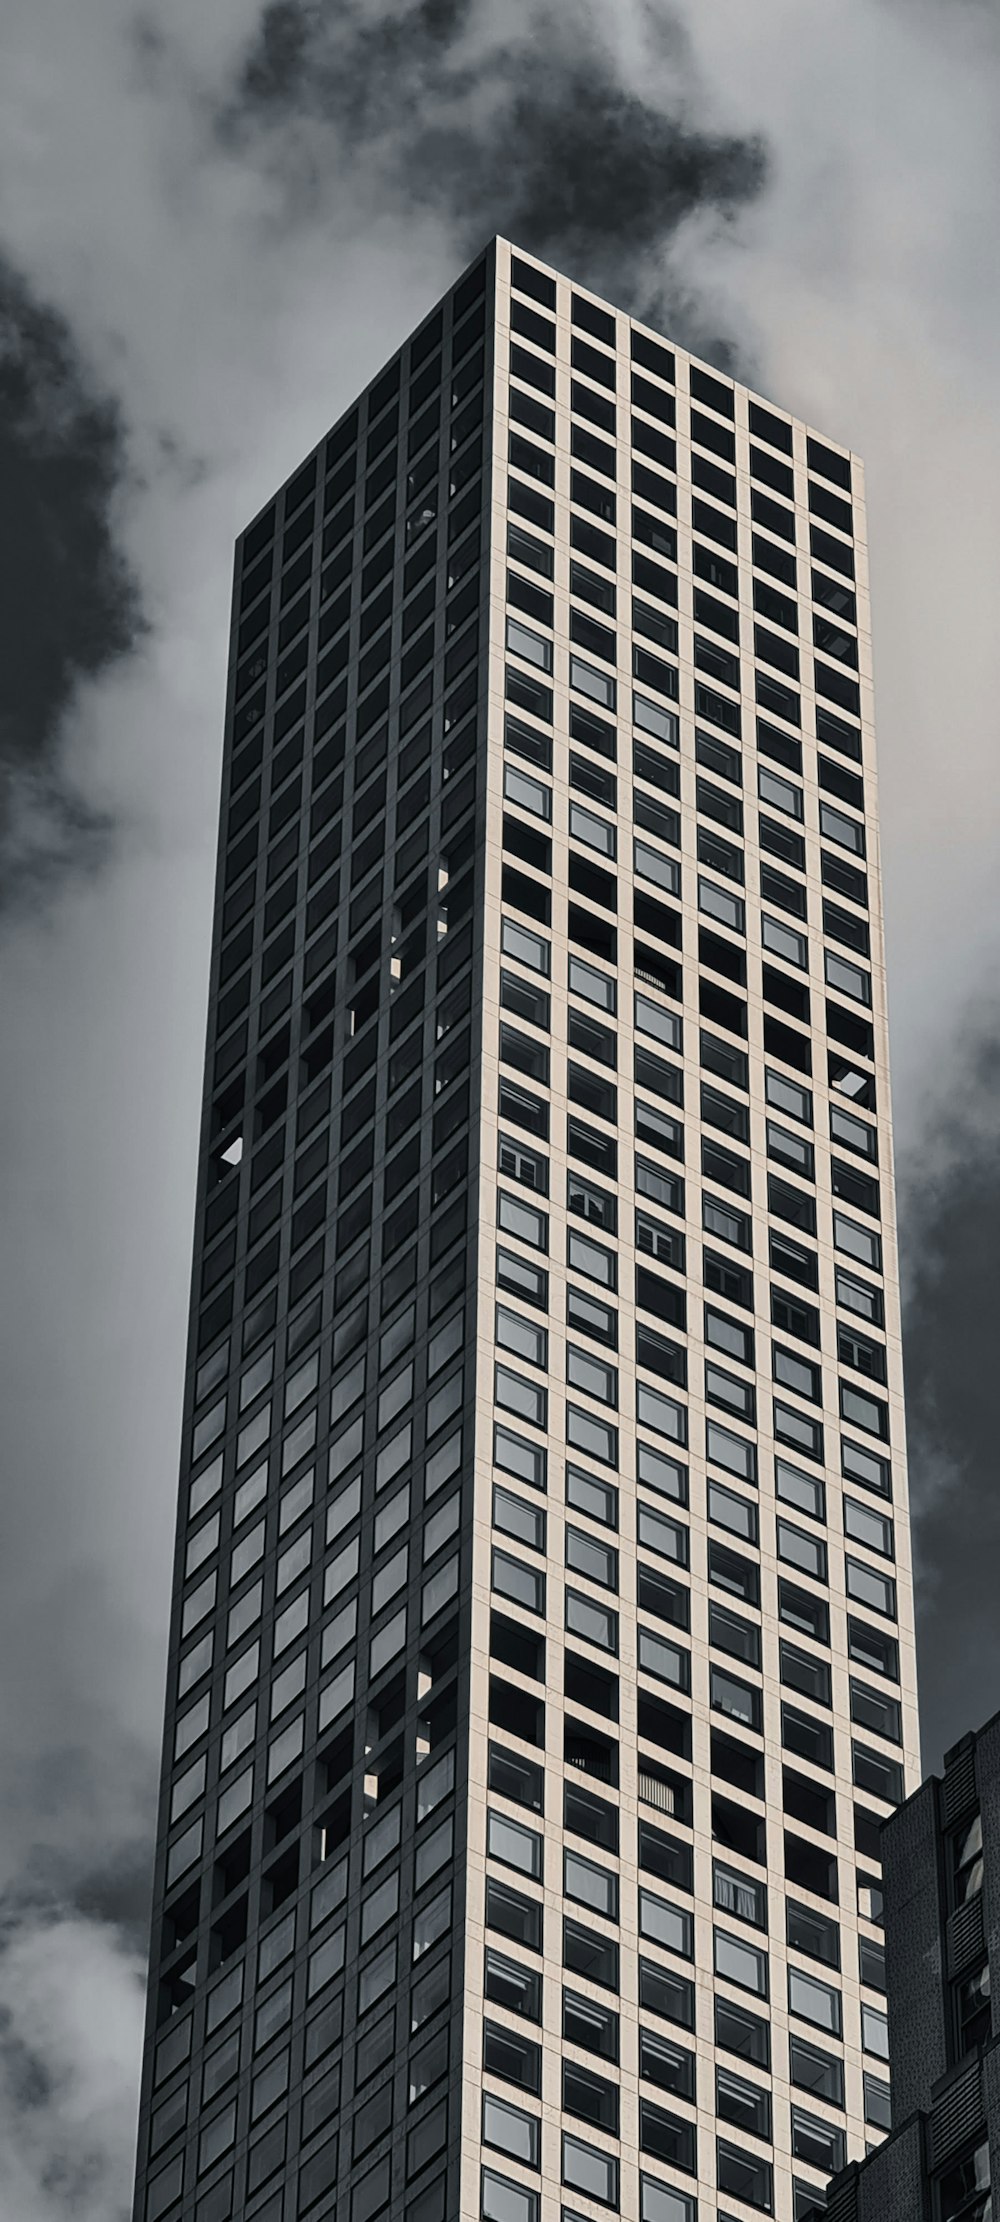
[[347, 872]]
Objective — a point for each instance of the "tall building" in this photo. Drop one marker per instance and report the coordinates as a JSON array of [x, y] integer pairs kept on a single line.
[[541, 1660], [941, 1854]]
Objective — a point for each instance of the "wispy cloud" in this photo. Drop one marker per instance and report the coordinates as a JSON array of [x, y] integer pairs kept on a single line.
[[215, 223], [220, 247], [70, 602], [951, 1207], [70, 2027], [577, 132]]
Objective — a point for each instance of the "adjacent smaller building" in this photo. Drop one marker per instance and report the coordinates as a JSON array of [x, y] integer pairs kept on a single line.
[[941, 1877]]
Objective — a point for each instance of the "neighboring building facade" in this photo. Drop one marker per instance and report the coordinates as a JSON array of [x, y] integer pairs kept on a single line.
[[541, 1661], [941, 1855]]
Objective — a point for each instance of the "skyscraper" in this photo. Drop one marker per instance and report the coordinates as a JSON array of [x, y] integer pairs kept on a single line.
[[541, 1659], [941, 1854]]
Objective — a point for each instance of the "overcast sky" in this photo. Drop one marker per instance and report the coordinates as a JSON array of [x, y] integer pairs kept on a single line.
[[215, 222]]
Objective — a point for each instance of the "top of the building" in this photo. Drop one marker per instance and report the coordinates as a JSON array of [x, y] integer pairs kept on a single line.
[[716, 389]]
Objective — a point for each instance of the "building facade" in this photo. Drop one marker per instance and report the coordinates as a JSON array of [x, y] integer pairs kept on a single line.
[[541, 1660], [941, 1864]]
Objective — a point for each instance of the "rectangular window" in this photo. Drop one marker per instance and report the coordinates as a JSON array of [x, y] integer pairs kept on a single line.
[[587, 2170], [585, 1432], [740, 1963], [815, 2002], [521, 1585], [513, 1845], [503, 2201]]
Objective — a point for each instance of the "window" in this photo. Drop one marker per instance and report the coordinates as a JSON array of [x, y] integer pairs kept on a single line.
[[871, 1963], [513, 1915], [584, 1431], [587, 1953], [523, 641], [669, 1926], [738, 1700], [526, 1398], [867, 1412], [522, 1164], [812, 2070], [592, 1259], [740, 1895], [521, 1278], [864, 1525], [723, 1448], [717, 902], [813, 1933], [592, 1375], [790, 1149], [964, 2192], [746, 2106], [509, 1984], [594, 2098], [872, 1648], [599, 1499], [801, 1671], [728, 1570], [729, 1632], [509, 2129], [972, 2010], [521, 1585], [668, 2137], [587, 1555], [740, 1963], [522, 1220], [594, 832], [671, 2067], [784, 941], [503, 2201], [796, 1373], [819, 2143], [584, 678], [874, 2031], [814, 2002], [593, 986], [859, 1297], [516, 1518], [596, 1623], [965, 1857], [527, 948], [666, 1661], [660, 2203], [805, 1491], [591, 1317], [868, 1587], [727, 1510], [590, 1885], [527, 793], [514, 1845], [590, 2171], [588, 1201], [738, 2030], [878, 2103], [745, 2177], [860, 1464], [730, 1335]]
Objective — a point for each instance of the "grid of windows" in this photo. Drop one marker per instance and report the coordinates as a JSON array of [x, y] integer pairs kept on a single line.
[[539, 1469], [688, 857]]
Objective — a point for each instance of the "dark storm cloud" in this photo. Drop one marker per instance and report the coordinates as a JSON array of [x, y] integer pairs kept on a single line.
[[950, 1214], [68, 607], [540, 139]]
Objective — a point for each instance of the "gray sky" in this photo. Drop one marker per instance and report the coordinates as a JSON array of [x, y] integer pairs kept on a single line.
[[214, 224]]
